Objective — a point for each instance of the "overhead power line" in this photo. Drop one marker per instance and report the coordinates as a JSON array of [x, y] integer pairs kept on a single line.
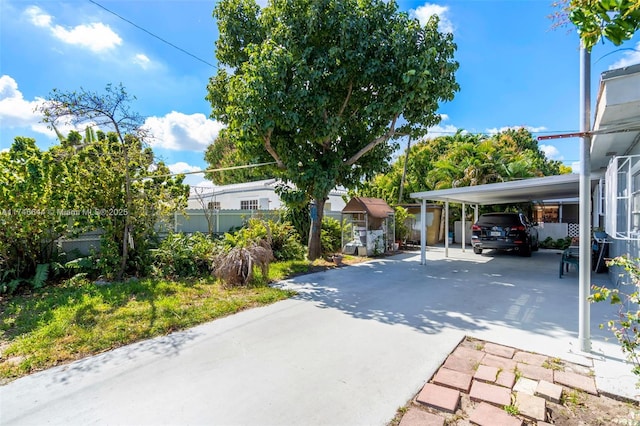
[[221, 169], [153, 35]]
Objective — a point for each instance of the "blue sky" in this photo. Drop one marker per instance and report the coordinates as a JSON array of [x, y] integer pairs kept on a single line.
[[515, 70]]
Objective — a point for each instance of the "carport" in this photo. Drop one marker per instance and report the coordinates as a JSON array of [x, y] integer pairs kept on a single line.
[[534, 189]]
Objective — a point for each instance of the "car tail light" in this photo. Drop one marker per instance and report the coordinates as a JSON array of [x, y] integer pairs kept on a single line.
[[476, 228], [519, 228]]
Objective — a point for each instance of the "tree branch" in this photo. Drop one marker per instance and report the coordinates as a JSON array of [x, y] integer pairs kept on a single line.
[[346, 100], [374, 143], [270, 150]]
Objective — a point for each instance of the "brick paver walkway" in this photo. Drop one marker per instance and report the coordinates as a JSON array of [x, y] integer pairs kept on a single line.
[[482, 383]]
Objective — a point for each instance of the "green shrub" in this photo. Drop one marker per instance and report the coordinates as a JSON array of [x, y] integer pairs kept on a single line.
[[559, 244], [401, 228], [282, 237], [184, 255], [330, 235]]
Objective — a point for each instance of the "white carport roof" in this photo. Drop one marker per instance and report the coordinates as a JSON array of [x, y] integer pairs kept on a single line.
[[534, 189]]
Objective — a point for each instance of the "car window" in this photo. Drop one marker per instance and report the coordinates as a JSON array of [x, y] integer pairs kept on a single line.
[[499, 219]]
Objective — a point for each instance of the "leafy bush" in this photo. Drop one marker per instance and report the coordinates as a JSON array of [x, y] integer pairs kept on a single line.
[[401, 216], [330, 235], [559, 244], [281, 236], [627, 327], [184, 255]]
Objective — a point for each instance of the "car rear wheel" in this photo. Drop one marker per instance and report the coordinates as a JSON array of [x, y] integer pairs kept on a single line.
[[477, 250], [525, 249]]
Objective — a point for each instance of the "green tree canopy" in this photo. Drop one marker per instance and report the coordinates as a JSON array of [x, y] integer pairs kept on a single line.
[[464, 159], [223, 153], [615, 20], [116, 173], [321, 87]]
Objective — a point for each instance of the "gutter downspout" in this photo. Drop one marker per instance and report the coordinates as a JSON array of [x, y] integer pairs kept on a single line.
[[584, 332]]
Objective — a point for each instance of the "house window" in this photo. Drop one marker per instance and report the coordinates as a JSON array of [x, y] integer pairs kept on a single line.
[[213, 205], [249, 205], [622, 183]]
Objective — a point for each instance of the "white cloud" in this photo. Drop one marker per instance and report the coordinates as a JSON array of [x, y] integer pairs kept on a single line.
[[142, 60], [438, 130], [629, 58], [178, 131], [15, 111], [38, 17], [551, 152], [96, 36], [442, 130], [424, 12], [182, 167], [532, 129]]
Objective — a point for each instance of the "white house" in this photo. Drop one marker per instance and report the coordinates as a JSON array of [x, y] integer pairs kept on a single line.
[[258, 195], [615, 158]]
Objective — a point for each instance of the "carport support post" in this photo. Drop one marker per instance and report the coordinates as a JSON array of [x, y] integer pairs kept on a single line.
[[446, 228], [464, 224], [584, 332], [423, 232]]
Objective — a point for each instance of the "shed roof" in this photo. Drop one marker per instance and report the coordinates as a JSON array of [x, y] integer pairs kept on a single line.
[[374, 207]]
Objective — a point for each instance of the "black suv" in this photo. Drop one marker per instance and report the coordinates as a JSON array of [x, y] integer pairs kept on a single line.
[[504, 231]]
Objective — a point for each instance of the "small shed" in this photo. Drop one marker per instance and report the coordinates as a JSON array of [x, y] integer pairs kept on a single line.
[[369, 226]]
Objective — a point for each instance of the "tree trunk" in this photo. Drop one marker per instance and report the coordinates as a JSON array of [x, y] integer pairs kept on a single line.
[[315, 245]]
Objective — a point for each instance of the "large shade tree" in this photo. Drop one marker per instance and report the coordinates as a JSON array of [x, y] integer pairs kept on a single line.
[[323, 87]]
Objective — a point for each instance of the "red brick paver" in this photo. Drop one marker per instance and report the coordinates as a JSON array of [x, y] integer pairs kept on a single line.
[[488, 415], [486, 373], [535, 372], [500, 362], [492, 394], [573, 380], [506, 379], [529, 358], [453, 379], [499, 350], [463, 365], [549, 391], [436, 396], [417, 417]]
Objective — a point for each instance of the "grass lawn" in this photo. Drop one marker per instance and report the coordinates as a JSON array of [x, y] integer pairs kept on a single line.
[[78, 318]]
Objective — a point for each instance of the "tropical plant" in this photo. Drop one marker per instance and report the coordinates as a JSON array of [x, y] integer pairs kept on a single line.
[[463, 159], [34, 201], [184, 255], [321, 87], [626, 327], [117, 181], [281, 237], [401, 216]]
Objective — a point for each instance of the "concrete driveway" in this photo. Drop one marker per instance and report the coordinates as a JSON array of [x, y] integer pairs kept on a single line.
[[351, 348]]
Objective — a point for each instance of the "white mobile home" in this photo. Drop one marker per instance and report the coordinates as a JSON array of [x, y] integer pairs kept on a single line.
[[258, 195]]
